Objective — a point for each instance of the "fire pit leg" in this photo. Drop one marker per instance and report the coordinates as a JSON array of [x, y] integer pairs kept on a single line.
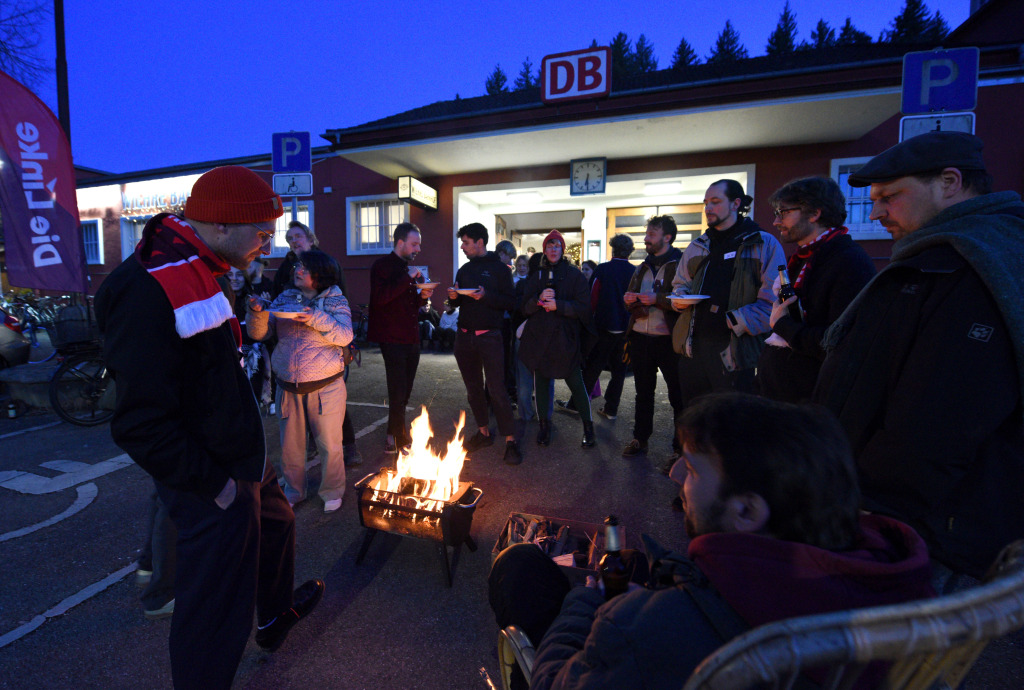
[[470, 544], [448, 569], [367, 538]]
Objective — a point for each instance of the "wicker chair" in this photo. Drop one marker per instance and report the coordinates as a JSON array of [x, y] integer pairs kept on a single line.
[[927, 644]]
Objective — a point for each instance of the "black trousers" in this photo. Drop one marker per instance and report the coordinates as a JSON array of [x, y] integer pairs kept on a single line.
[[230, 562], [648, 354], [477, 356], [607, 350], [704, 372], [160, 555], [400, 364]]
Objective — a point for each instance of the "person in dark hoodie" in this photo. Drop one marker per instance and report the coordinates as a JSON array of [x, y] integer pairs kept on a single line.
[[556, 304], [734, 264], [650, 329], [772, 510], [483, 293]]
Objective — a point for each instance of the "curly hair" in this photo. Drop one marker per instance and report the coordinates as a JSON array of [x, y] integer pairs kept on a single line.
[[323, 269]]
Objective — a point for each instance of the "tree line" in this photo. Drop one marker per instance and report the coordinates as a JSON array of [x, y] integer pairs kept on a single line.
[[913, 24]]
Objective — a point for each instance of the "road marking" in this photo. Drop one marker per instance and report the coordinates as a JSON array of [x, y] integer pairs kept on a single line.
[[66, 605], [86, 495], [28, 483], [30, 429], [371, 428]]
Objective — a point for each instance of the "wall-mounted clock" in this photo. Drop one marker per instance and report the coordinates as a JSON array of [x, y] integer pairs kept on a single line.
[[587, 176]]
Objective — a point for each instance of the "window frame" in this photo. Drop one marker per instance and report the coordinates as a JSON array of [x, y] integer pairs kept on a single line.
[[354, 203], [281, 229], [98, 225], [872, 230]]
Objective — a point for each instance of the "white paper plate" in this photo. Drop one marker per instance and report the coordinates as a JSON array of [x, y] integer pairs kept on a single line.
[[687, 299], [466, 291], [426, 286], [287, 314]]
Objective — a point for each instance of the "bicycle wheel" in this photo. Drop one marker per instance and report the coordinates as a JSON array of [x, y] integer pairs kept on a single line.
[[81, 390]]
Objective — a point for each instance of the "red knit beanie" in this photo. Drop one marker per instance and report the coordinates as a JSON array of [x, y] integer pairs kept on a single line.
[[232, 194], [554, 236]]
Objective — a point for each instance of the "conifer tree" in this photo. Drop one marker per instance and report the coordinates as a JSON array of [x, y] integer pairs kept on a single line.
[[643, 56], [910, 25], [849, 35], [623, 59], [937, 29], [782, 40], [527, 78], [684, 56], [727, 46], [497, 82], [823, 35]]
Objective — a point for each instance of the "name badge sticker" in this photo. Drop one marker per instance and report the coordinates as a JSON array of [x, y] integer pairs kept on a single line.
[[730, 255]]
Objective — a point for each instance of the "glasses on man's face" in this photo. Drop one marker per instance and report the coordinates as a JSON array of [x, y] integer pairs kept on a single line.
[[780, 213], [265, 235]]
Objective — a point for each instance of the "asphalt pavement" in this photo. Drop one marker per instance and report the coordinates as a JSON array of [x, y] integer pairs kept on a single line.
[[74, 512]]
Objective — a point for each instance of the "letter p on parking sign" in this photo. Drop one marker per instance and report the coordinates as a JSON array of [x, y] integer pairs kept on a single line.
[[290, 152], [940, 80]]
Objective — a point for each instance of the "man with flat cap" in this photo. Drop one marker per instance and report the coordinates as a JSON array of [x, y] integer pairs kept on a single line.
[[186, 414], [926, 367]]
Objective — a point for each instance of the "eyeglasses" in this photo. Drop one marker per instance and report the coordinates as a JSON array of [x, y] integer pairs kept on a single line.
[[780, 213], [300, 267], [265, 235]]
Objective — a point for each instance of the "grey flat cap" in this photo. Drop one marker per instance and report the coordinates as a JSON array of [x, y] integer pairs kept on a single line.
[[921, 154]]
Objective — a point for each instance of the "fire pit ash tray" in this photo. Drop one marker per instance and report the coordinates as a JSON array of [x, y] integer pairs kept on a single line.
[[446, 523]]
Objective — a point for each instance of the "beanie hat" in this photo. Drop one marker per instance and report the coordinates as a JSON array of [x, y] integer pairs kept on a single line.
[[232, 194], [554, 236]]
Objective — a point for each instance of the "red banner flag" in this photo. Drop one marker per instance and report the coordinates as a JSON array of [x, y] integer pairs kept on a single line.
[[42, 237]]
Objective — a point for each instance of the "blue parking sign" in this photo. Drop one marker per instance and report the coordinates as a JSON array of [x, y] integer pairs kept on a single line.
[[290, 152], [940, 80]]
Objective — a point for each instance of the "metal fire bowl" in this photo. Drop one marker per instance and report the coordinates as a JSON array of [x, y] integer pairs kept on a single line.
[[391, 513]]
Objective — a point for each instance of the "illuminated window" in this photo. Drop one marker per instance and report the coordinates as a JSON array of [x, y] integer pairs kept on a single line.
[[92, 241], [304, 214], [858, 201], [372, 222]]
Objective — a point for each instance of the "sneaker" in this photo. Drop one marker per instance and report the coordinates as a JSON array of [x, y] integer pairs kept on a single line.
[[352, 456], [634, 449], [390, 447], [332, 505], [272, 410], [566, 406], [143, 576], [305, 599], [478, 441], [606, 414], [513, 456], [162, 612]]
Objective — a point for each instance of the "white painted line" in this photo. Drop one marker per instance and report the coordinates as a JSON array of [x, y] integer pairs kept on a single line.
[[30, 429], [28, 483], [66, 605], [359, 404], [370, 429], [65, 465], [86, 495]]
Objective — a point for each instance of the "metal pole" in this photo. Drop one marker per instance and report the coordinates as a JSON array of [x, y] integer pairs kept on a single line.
[[64, 112], [295, 208]]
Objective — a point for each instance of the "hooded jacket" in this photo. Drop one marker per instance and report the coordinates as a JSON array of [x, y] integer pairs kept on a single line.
[[488, 312], [551, 340], [655, 638]]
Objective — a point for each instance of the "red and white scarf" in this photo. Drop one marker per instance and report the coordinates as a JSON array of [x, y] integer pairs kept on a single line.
[[186, 269], [802, 258]]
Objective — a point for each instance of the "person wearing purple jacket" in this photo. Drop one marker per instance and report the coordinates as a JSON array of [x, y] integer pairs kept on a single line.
[[394, 325]]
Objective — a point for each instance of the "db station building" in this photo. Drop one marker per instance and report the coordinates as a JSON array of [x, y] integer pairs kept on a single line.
[[592, 154]]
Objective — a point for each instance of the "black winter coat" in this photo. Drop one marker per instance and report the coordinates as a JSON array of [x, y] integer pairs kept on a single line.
[[839, 270], [550, 344]]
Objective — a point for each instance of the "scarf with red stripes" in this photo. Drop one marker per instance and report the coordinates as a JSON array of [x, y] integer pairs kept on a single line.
[[172, 252], [800, 262]]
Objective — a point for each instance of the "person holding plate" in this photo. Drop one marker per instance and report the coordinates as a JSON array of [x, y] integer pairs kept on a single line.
[[312, 322]]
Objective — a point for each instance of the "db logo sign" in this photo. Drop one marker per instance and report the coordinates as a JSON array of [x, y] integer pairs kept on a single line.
[[577, 74]]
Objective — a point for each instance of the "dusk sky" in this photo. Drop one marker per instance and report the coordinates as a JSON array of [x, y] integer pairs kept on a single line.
[[158, 84]]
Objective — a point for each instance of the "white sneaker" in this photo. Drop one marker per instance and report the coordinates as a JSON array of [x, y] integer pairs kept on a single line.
[[332, 505], [272, 409]]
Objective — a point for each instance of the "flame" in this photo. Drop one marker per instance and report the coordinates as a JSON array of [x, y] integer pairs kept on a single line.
[[433, 479]]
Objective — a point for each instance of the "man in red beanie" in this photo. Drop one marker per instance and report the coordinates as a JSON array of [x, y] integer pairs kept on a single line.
[[186, 414]]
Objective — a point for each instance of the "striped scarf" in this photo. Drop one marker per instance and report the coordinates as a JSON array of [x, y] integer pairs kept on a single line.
[[802, 257], [186, 269]]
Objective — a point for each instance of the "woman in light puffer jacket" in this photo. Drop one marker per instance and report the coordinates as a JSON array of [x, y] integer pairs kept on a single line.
[[308, 363]]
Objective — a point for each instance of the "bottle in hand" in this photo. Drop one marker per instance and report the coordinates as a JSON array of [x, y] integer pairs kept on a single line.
[[612, 567], [786, 291]]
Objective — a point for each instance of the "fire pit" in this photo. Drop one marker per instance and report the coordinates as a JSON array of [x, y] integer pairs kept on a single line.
[[423, 498]]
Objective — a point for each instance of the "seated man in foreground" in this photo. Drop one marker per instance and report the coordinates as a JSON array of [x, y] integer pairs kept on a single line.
[[771, 500]]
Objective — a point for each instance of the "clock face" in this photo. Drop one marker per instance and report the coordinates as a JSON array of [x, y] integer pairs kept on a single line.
[[588, 176]]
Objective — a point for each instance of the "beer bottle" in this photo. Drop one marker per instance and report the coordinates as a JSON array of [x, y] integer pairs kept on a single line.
[[786, 291], [614, 573]]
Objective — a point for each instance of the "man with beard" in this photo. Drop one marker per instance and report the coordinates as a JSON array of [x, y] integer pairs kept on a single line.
[[734, 264], [186, 414], [827, 271], [650, 328], [925, 367], [772, 510], [395, 301]]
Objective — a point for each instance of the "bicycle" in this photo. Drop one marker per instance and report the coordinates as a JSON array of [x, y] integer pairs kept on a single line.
[[80, 389]]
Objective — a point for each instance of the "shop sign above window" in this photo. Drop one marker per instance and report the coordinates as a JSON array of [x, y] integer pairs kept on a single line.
[[412, 190], [577, 74]]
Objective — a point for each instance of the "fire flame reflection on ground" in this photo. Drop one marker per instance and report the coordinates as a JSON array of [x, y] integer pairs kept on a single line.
[[424, 480]]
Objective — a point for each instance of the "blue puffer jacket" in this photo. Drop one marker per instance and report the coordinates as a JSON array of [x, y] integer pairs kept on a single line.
[[305, 351]]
